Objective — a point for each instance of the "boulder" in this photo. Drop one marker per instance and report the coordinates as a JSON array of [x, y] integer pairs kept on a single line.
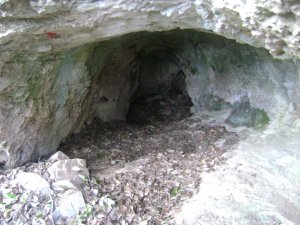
[[70, 206], [58, 156], [73, 170], [33, 182], [63, 185]]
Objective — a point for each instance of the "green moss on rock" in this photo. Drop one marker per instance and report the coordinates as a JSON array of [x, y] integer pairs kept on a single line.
[[261, 118], [243, 114]]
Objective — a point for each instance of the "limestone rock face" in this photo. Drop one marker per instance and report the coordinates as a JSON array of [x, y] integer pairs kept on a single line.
[[64, 62], [273, 24]]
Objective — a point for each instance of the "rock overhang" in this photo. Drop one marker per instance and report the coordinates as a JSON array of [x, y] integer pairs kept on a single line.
[[67, 24]]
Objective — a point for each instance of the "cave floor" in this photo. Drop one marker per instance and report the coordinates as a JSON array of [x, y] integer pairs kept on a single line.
[[151, 164]]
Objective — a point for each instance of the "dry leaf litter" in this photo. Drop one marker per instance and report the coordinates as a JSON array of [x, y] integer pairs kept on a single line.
[[137, 172]]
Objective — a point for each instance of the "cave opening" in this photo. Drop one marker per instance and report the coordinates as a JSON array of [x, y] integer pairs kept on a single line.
[[207, 71], [143, 101], [146, 82], [164, 107]]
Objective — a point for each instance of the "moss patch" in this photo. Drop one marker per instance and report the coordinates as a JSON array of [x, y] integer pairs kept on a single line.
[[261, 118], [100, 155], [243, 114]]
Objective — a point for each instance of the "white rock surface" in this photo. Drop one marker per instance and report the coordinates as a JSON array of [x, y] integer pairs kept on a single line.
[[63, 185], [58, 156], [270, 24], [73, 170], [33, 182], [70, 206]]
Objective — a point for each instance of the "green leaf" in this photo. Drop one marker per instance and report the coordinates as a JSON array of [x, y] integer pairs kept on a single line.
[[174, 191], [11, 195], [86, 212]]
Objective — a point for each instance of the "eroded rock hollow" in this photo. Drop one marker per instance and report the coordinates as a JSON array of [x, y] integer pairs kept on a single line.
[[54, 80]]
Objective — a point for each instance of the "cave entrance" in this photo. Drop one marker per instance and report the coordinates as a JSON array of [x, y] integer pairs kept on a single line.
[[199, 70], [147, 136], [143, 143], [148, 90]]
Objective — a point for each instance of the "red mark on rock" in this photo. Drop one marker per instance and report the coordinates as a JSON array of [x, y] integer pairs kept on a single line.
[[52, 35]]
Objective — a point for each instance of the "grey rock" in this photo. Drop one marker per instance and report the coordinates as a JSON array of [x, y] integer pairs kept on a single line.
[[70, 206], [33, 182], [244, 114], [63, 185], [3, 158], [4, 154], [73, 170], [58, 156]]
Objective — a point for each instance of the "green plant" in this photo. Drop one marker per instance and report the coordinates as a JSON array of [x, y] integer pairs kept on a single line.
[[11, 195], [87, 211], [174, 191], [100, 155], [39, 214], [98, 181], [84, 215], [9, 198]]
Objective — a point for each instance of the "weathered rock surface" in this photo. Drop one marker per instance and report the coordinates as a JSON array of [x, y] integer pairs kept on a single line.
[[58, 156], [63, 185], [70, 206], [270, 24], [73, 170], [33, 182], [64, 63]]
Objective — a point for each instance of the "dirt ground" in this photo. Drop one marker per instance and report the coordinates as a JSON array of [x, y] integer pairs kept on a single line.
[[151, 163]]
